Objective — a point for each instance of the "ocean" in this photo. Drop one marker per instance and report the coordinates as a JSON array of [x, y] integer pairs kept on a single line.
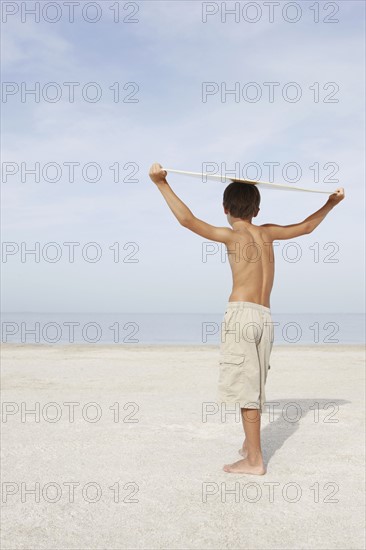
[[172, 328]]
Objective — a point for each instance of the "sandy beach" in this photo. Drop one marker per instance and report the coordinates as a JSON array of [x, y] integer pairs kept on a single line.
[[125, 446]]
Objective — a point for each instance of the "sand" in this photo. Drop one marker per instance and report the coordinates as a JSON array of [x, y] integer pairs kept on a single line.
[[147, 473]]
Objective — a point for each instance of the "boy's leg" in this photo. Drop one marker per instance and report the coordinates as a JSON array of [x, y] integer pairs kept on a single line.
[[264, 352], [253, 462], [244, 448]]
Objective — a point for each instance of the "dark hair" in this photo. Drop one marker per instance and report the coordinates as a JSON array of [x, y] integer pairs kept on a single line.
[[242, 200]]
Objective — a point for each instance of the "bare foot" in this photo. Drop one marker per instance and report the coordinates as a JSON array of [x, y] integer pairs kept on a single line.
[[243, 451], [245, 467]]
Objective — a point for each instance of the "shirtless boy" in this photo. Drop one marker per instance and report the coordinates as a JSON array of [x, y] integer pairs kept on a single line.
[[247, 333]]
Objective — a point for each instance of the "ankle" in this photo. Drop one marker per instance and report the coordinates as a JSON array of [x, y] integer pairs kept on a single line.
[[255, 457]]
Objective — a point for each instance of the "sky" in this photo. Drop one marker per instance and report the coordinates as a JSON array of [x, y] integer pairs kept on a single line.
[[149, 86]]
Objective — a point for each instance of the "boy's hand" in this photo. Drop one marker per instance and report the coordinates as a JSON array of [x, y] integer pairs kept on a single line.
[[157, 174], [336, 197]]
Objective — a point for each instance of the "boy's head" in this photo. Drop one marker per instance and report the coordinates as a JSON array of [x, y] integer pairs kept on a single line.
[[241, 200]]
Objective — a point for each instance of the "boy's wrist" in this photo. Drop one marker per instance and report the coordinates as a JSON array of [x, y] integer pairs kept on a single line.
[[161, 183]]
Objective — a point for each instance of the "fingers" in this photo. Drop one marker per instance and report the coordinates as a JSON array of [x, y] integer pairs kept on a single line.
[[155, 168], [339, 194], [157, 173]]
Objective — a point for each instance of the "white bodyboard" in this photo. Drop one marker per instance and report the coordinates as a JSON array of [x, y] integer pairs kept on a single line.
[[227, 179]]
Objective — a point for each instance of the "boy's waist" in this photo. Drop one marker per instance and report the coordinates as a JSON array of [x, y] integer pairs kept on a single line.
[[247, 305]]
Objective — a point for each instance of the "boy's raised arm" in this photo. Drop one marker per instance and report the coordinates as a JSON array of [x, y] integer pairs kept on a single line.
[[282, 232], [183, 213], [179, 209]]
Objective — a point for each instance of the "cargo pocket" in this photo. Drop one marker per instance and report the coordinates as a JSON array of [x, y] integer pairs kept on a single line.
[[232, 376]]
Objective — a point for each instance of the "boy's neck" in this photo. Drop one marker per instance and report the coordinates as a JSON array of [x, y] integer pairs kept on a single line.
[[241, 223]]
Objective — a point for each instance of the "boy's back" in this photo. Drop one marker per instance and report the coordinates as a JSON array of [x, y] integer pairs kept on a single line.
[[250, 253]]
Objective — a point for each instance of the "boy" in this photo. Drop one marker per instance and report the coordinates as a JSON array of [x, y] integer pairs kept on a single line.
[[244, 353]]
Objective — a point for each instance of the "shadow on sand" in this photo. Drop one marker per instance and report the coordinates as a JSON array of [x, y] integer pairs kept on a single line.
[[284, 418]]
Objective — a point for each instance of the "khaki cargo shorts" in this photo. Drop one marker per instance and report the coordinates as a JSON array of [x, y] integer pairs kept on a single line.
[[245, 348]]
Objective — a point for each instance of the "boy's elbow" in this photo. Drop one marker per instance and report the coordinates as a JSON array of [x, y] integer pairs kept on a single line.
[[308, 228], [186, 222]]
